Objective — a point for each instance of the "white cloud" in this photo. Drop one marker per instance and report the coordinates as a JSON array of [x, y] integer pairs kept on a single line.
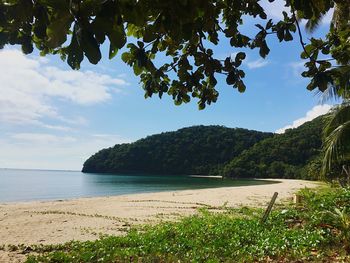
[[29, 85], [251, 64], [310, 115], [274, 10], [41, 138], [55, 127], [51, 151], [259, 63]]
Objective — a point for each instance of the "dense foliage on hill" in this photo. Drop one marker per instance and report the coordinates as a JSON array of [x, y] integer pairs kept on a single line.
[[192, 150], [238, 153], [294, 154]]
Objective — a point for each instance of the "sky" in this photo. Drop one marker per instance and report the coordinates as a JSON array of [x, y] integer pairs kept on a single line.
[[52, 117]]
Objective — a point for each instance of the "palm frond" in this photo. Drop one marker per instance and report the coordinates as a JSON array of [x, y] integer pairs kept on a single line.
[[337, 142], [339, 115], [340, 85], [330, 94], [313, 23]]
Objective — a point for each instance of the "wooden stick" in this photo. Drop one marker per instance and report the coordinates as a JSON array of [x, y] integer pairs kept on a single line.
[[269, 208]]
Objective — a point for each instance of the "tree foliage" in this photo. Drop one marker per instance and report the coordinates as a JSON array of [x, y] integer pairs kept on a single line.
[[337, 130], [337, 138], [181, 30], [193, 150], [294, 154], [236, 153]]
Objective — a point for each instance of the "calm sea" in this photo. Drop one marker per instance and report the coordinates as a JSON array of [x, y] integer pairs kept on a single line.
[[28, 185]]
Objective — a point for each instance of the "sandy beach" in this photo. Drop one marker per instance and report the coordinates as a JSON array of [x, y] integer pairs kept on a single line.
[[52, 222]]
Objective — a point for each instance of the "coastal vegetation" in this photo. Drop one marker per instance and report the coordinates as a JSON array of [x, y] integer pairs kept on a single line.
[[337, 143], [182, 32], [193, 150], [315, 230], [237, 153], [297, 153]]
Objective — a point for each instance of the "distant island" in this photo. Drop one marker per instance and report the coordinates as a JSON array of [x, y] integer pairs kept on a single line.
[[218, 150]]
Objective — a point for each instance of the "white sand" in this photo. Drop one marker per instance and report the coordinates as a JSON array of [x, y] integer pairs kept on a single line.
[[52, 222]]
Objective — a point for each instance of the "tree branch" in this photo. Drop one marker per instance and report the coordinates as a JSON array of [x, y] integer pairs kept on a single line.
[[299, 33]]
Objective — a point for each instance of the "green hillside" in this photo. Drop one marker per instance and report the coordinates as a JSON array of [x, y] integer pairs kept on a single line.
[[237, 153], [294, 154], [192, 150]]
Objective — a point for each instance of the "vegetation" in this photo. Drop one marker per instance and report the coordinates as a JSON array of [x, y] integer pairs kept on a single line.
[[316, 230], [184, 32], [218, 150], [294, 154], [193, 150], [337, 142], [337, 129]]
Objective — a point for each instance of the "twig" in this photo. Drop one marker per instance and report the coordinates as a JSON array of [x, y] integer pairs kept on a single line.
[[299, 32]]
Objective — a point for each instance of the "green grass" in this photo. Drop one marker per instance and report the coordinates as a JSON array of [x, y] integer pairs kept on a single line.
[[307, 232]]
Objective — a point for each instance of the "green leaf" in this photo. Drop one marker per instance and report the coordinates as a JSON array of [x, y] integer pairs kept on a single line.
[[149, 35], [231, 78], [113, 51], [260, 26], [57, 30], [241, 87], [269, 24], [280, 34], [27, 48], [117, 40], [288, 36], [137, 70], [90, 46], [126, 57], [264, 49], [240, 56], [75, 53]]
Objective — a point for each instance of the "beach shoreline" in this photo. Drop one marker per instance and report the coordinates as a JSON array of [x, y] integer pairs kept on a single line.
[[40, 201], [53, 222]]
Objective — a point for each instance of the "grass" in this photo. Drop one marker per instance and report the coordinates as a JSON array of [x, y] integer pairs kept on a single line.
[[308, 232]]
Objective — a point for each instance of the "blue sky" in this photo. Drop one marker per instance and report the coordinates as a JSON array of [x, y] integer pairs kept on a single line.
[[54, 118]]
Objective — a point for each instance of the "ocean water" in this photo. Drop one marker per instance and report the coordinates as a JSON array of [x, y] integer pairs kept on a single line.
[[29, 185]]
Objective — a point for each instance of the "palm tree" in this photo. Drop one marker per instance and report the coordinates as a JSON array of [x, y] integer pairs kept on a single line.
[[337, 138], [340, 19], [337, 127]]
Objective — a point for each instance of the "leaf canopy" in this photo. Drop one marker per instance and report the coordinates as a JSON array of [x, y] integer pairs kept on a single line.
[[180, 30]]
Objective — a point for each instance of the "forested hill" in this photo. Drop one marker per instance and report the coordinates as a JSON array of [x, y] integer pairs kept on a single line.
[[294, 154], [192, 150]]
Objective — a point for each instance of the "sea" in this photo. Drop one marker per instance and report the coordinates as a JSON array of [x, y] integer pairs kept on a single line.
[[39, 185]]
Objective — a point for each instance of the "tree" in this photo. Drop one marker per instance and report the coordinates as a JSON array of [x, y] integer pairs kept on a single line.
[[337, 129], [192, 150], [182, 30], [337, 139]]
